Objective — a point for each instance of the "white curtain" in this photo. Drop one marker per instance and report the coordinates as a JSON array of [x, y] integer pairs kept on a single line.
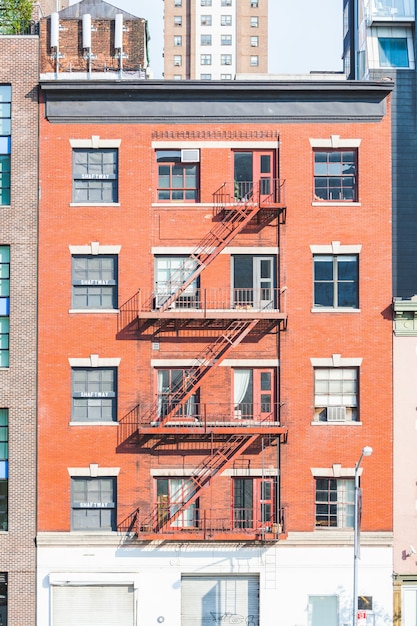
[[241, 383]]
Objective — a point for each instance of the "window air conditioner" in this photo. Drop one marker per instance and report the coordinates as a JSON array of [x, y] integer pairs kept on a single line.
[[190, 156], [177, 63], [336, 413]]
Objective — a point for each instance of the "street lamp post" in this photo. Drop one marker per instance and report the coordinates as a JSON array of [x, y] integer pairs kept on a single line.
[[366, 451]]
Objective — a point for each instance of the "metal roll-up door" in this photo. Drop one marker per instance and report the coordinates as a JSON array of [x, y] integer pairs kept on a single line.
[[216, 599], [93, 605]]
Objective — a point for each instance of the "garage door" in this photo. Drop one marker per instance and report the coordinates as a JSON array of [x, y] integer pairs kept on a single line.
[[207, 600], [93, 605]]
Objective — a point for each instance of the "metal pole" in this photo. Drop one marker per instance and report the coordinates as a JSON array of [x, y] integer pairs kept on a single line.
[[367, 451]]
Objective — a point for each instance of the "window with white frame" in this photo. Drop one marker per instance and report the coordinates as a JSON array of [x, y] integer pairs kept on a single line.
[[205, 3], [93, 503], [177, 3], [205, 59], [254, 4], [170, 494], [177, 77], [336, 281], [177, 20], [205, 20], [254, 41], [323, 610], [205, 76], [94, 281], [225, 77], [170, 273], [177, 40], [177, 60], [335, 502], [336, 396], [95, 173], [335, 175], [225, 20], [226, 40], [226, 59], [226, 3], [94, 394], [205, 40], [254, 60], [254, 21]]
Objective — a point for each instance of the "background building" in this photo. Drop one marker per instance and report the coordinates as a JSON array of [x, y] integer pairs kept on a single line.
[[19, 75], [197, 436], [215, 39]]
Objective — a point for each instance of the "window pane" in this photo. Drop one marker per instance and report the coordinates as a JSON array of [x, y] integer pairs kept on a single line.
[[393, 52]]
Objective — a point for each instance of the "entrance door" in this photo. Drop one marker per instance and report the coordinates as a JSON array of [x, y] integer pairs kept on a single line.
[[254, 395], [253, 281], [250, 169]]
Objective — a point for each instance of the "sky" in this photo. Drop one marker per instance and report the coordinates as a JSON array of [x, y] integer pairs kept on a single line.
[[296, 46]]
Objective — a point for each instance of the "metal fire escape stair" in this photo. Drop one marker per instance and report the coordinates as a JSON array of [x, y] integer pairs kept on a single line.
[[201, 477], [235, 217], [209, 358]]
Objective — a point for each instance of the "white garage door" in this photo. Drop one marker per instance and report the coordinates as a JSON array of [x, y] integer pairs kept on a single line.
[[93, 605], [206, 600]]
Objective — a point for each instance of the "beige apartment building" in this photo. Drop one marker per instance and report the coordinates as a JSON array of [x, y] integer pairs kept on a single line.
[[215, 39]]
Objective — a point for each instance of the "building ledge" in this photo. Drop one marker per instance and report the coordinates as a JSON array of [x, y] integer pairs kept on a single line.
[[336, 536]]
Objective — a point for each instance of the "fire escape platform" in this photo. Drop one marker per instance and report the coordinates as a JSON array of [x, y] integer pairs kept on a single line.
[[194, 534], [200, 428], [197, 314]]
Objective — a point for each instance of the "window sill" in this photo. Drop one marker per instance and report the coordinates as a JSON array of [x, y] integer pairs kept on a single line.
[[94, 204], [106, 311], [175, 204], [80, 423], [344, 423], [324, 309], [335, 203]]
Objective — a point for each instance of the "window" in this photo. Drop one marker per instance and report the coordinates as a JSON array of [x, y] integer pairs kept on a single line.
[[335, 175], [226, 3], [254, 42], [226, 40], [170, 273], [177, 20], [205, 59], [177, 3], [254, 4], [5, 131], [206, 20], [393, 52], [170, 495], [226, 59], [205, 40], [3, 597], [253, 502], [225, 20], [170, 381], [177, 180], [335, 502], [323, 610], [93, 503], [336, 280], [94, 282], [177, 77], [335, 394], [4, 469], [225, 77], [177, 60], [254, 61], [177, 40], [94, 394], [205, 3], [205, 76], [94, 176], [253, 394], [254, 21], [4, 305]]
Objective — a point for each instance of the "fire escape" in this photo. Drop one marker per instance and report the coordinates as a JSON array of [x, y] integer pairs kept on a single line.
[[209, 430]]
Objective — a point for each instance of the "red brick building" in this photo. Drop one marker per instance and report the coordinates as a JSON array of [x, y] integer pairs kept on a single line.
[[214, 351]]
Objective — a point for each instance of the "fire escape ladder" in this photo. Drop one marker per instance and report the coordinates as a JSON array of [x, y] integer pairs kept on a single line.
[[235, 218], [209, 358], [201, 477]]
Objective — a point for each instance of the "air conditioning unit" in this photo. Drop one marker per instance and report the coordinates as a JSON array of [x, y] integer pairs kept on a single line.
[[190, 156], [227, 62], [336, 413], [177, 63]]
